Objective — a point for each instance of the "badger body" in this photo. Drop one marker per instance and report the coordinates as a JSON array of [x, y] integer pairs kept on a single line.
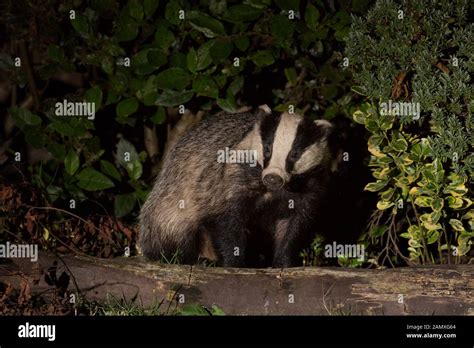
[[201, 207]]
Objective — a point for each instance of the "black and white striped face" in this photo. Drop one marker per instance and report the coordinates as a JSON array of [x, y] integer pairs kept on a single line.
[[290, 145]]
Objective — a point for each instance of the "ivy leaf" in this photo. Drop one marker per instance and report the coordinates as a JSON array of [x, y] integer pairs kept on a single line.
[[92, 180], [71, 162]]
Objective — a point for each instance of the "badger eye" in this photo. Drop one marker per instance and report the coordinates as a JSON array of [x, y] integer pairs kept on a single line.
[[293, 156], [267, 150]]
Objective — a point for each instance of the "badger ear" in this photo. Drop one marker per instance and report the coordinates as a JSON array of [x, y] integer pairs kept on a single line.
[[324, 127], [265, 109]]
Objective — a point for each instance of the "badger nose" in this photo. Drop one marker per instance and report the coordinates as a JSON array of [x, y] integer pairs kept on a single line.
[[273, 182]]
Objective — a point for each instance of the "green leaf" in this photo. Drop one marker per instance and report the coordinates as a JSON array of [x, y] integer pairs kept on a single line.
[[400, 145], [236, 85], [92, 180], [135, 9], [242, 43], [163, 37], [173, 78], [263, 58], [71, 162], [311, 17], [376, 186], [220, 51], [437, 204], [457, 225], [193, 310], [172, 12], [173, 98], [227, 105], [205, 85], [291, 75], [359, 117], [81, 25], [126, 107], [217, 310], [54, 193], [108, 168], [149, 7], [94, 95], [63, 128], [128, 158], [204, 58], [124, 204], [206, 24], [192, 60], [55, 53], [127, 30], [288, 5], [241, 13], [23, 117], [423, 201], [281, 27], [359, 90], [382, 205], [159, 117], [148, 60]]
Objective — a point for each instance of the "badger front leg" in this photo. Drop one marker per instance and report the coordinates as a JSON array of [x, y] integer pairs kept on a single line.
[[291, 235], [229, 238]]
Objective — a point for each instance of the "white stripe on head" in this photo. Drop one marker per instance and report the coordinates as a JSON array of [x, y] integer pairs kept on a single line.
[[315, 153], [285, 135]]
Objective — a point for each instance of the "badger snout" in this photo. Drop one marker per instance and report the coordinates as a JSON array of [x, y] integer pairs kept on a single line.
[[273, 181], [274, 178]]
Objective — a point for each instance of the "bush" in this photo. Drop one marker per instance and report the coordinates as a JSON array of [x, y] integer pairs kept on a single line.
[[418, 54]]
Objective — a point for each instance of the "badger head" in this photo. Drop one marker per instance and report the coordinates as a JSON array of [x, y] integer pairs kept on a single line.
[[289, 145]]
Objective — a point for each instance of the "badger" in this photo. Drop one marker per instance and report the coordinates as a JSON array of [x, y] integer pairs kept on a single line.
[[202, 207]]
